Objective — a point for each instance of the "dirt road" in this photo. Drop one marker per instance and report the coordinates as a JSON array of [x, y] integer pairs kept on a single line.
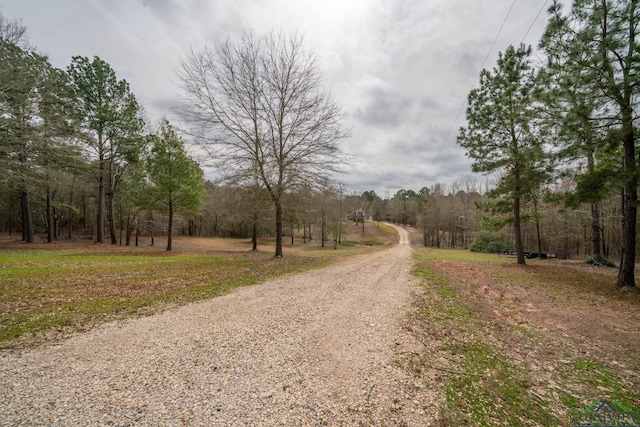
[[317, 348]]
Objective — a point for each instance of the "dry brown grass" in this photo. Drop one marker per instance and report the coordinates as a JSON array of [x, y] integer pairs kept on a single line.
[[50, 290]]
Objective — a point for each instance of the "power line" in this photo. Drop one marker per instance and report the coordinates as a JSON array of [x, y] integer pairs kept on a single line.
[[464, 103], [534, 21]]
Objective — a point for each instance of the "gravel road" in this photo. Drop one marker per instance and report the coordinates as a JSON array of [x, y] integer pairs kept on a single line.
[[316, 348]]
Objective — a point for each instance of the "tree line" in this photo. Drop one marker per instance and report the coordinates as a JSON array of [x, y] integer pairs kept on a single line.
[[560, 135], [74, 144], [76, 152], [461, 214], [571, 119]]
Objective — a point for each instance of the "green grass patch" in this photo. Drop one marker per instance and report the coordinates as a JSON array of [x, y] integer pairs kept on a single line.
[[386, 228], [593, 381], [464, 255], [494, 391], [483, 387], [505, 357], [44, 291]]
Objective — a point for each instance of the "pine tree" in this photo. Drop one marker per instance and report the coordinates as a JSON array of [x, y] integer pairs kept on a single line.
[[110, 117], [501, 135], [176, 181], [37, 123], [597, 41]]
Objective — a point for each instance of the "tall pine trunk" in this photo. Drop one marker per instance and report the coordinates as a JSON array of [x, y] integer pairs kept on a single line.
[[626, 274], [111, 194], [101, 202], [170, 229], [70, 235], [291, 229], [49, 214], [254, 228], [595, 231], [517, 231], [110, 219], [25, 208]]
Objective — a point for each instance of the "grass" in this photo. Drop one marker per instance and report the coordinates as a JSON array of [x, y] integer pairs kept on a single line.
[[386, 228], [44, 290], [465, 255], [484, 387], [49, 291], [490, 379]]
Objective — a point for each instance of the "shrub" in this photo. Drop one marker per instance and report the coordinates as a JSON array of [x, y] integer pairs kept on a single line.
[[490, 243], [599, 261]]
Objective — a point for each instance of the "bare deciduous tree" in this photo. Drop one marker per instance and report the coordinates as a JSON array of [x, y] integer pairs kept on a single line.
[[12, 31], [258, 106]]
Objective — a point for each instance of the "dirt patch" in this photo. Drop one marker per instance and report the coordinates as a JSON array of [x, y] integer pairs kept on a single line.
[[585, 307], [525, 345]]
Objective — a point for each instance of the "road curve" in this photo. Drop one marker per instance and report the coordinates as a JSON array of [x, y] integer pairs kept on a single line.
[[403, 234]]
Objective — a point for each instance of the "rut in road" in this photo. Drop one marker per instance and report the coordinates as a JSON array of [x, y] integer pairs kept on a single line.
[[307, 349]]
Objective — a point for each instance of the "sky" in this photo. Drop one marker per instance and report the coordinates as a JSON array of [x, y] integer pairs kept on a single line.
[[400, 69]]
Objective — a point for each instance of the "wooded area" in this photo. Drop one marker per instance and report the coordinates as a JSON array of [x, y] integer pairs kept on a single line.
[[79, 161]]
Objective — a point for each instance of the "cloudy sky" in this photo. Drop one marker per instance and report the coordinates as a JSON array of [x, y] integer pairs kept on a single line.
[[401, 69]]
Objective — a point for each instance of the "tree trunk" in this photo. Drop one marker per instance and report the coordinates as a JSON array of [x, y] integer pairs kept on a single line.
[[278, 204], [170, 229], [49, 215], [111, 219], [27, 221], [84, 216], [101, 207], [517, 229], [291, 230], [121, 224], [603, 238], [70, 235], [538, 237], [626, 274], [323, 227], [595, 231], [595, 214], [151, 228], [254, 233], [129, 231]]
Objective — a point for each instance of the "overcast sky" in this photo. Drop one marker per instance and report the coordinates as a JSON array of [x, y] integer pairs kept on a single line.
[[401, 69]]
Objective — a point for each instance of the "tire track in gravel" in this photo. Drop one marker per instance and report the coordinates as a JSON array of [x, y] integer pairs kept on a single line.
[[316, 348]]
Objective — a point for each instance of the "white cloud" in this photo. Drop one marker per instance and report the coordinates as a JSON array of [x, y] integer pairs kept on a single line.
[[401, 68]]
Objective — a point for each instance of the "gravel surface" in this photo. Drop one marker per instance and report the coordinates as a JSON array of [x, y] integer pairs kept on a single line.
[[318, 348]]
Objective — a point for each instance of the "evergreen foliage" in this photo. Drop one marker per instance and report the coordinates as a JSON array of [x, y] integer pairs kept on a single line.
[[488, 242], [501, 135], [175, 182]]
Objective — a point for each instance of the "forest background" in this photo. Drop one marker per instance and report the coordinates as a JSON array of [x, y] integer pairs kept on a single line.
[[79, 161]]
